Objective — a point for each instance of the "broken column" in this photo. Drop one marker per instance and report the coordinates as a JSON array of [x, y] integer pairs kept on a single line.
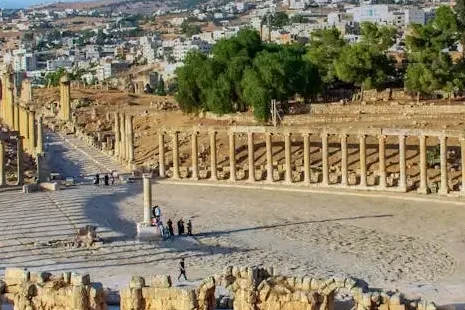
[[161, 154], [423, 189], [444, 189], [65, 98], [232, 157], [363, 163], [26, 91], [2, 163], [402, 164], [195, 156], [269, 157], [382, 161], [175, 142], [287, 151], [306, 137], [344, 164], [214, 174], [251, 157]]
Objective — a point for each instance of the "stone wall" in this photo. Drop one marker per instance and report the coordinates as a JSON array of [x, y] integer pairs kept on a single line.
[[44, 291], [251, 288]]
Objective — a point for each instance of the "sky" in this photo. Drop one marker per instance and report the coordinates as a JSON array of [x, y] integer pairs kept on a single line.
[[17, 4]]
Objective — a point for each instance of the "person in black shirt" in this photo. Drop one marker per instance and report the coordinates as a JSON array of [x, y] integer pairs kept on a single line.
[[105, 180], [97, 179], [170, 227], [182, 269], [189, 228]]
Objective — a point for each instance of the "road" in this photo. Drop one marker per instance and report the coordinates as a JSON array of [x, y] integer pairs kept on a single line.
[[415, 246]]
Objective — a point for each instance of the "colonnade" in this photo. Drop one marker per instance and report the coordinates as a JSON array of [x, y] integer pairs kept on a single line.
[[271, 134], [124, 138]]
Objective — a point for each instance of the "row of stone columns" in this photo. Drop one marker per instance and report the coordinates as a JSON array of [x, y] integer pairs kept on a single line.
[[402, 184], [124, 138]]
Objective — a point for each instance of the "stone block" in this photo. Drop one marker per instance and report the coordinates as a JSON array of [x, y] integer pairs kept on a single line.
[[14, 276], [147, 233], [160, 281], [80, 279], [50, 186], [40, 277], [137, 282], [30, 188]]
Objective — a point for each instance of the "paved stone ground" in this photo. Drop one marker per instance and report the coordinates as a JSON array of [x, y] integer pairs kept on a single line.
[[416, 246]]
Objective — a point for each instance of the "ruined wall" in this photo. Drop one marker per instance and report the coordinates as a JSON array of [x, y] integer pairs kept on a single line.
[[158, 293], [44, 291]]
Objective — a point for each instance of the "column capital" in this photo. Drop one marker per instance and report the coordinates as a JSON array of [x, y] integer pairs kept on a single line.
[[268, 133], [324, 135], [442, 137], [306, 134], [250, 133], [362, 135], [382, 137], [195, 132], [287, 133], [231, 133], [212, 132]]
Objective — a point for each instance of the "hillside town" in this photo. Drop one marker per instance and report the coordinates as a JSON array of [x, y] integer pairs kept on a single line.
[[96, 45]]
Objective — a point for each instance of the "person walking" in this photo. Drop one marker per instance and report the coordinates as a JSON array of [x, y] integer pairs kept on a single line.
[[105, 180], [170, 227], [182, 269], [189, 227], [97, 179]]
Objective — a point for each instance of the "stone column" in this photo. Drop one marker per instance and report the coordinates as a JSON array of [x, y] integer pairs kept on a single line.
[[382, 161], [2, 163], [287, 151], [195, 156], [444, 180], [423, 168], [40, 136], [65, 98], [32, 131], [147, 199], [462, 154], [130, 140], [117, 135], [324, 158], [174, 137], [19, 158], [232, 157], [402, 164], [39, 159], [344, 163], [306, 137], [214, 174], [123, 148], [251, 156], [15, 116], [269, 157], [161, 154], [363, 164]]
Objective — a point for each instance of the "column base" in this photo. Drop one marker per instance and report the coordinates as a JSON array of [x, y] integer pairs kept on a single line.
[[147, 232], [232, 180], [402, 188], [213, 179], [423, 190], [194, 178], [443, 191]]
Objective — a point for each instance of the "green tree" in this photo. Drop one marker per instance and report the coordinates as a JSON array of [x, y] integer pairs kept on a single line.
[[189, 29], [53, 78]]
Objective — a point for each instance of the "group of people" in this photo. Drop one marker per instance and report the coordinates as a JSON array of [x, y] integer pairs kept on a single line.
[[106, 179], [168, 231]]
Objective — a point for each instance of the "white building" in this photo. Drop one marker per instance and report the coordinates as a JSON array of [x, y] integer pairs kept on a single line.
[[378, 13], [181, 50], [21, 60], [55, 64]]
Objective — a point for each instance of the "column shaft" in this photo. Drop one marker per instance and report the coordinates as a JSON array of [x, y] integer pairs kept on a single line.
[[175, 155], [147, 199], [251, 156], [423, 168], [287, 150], [269, 157], [32, 132], [16, 116], [214, 173], [19, 158], [130, 142], [462, 155], [122, 126], [344, 163], [117, 135], [324, 159], [402, 164], [382, 161], [363, 164], [306, 138], [195, 156], [40, 136], [444, 179], [161, 154], [2, 163], [232, 157]]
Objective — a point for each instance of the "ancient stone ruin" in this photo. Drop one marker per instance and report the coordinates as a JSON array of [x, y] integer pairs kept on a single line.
[[250, 288]]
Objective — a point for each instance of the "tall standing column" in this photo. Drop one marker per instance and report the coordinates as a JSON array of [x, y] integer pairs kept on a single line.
[[214, 174], [251, 156], [462, 154], [232, 157], [174, 137], [269, 157], [423, 168], [130, 139], [161, 154], [402, 164], [40, 136], [147, 199], [287, 150], [363, 163], [19, 158], [2, 163], [117, 135], [306, 137], [15, 116], [65, 98], [324, 158], [32, 131], [195, 156], [122, 126], [382, 161], [444, 179], [344, 163]]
